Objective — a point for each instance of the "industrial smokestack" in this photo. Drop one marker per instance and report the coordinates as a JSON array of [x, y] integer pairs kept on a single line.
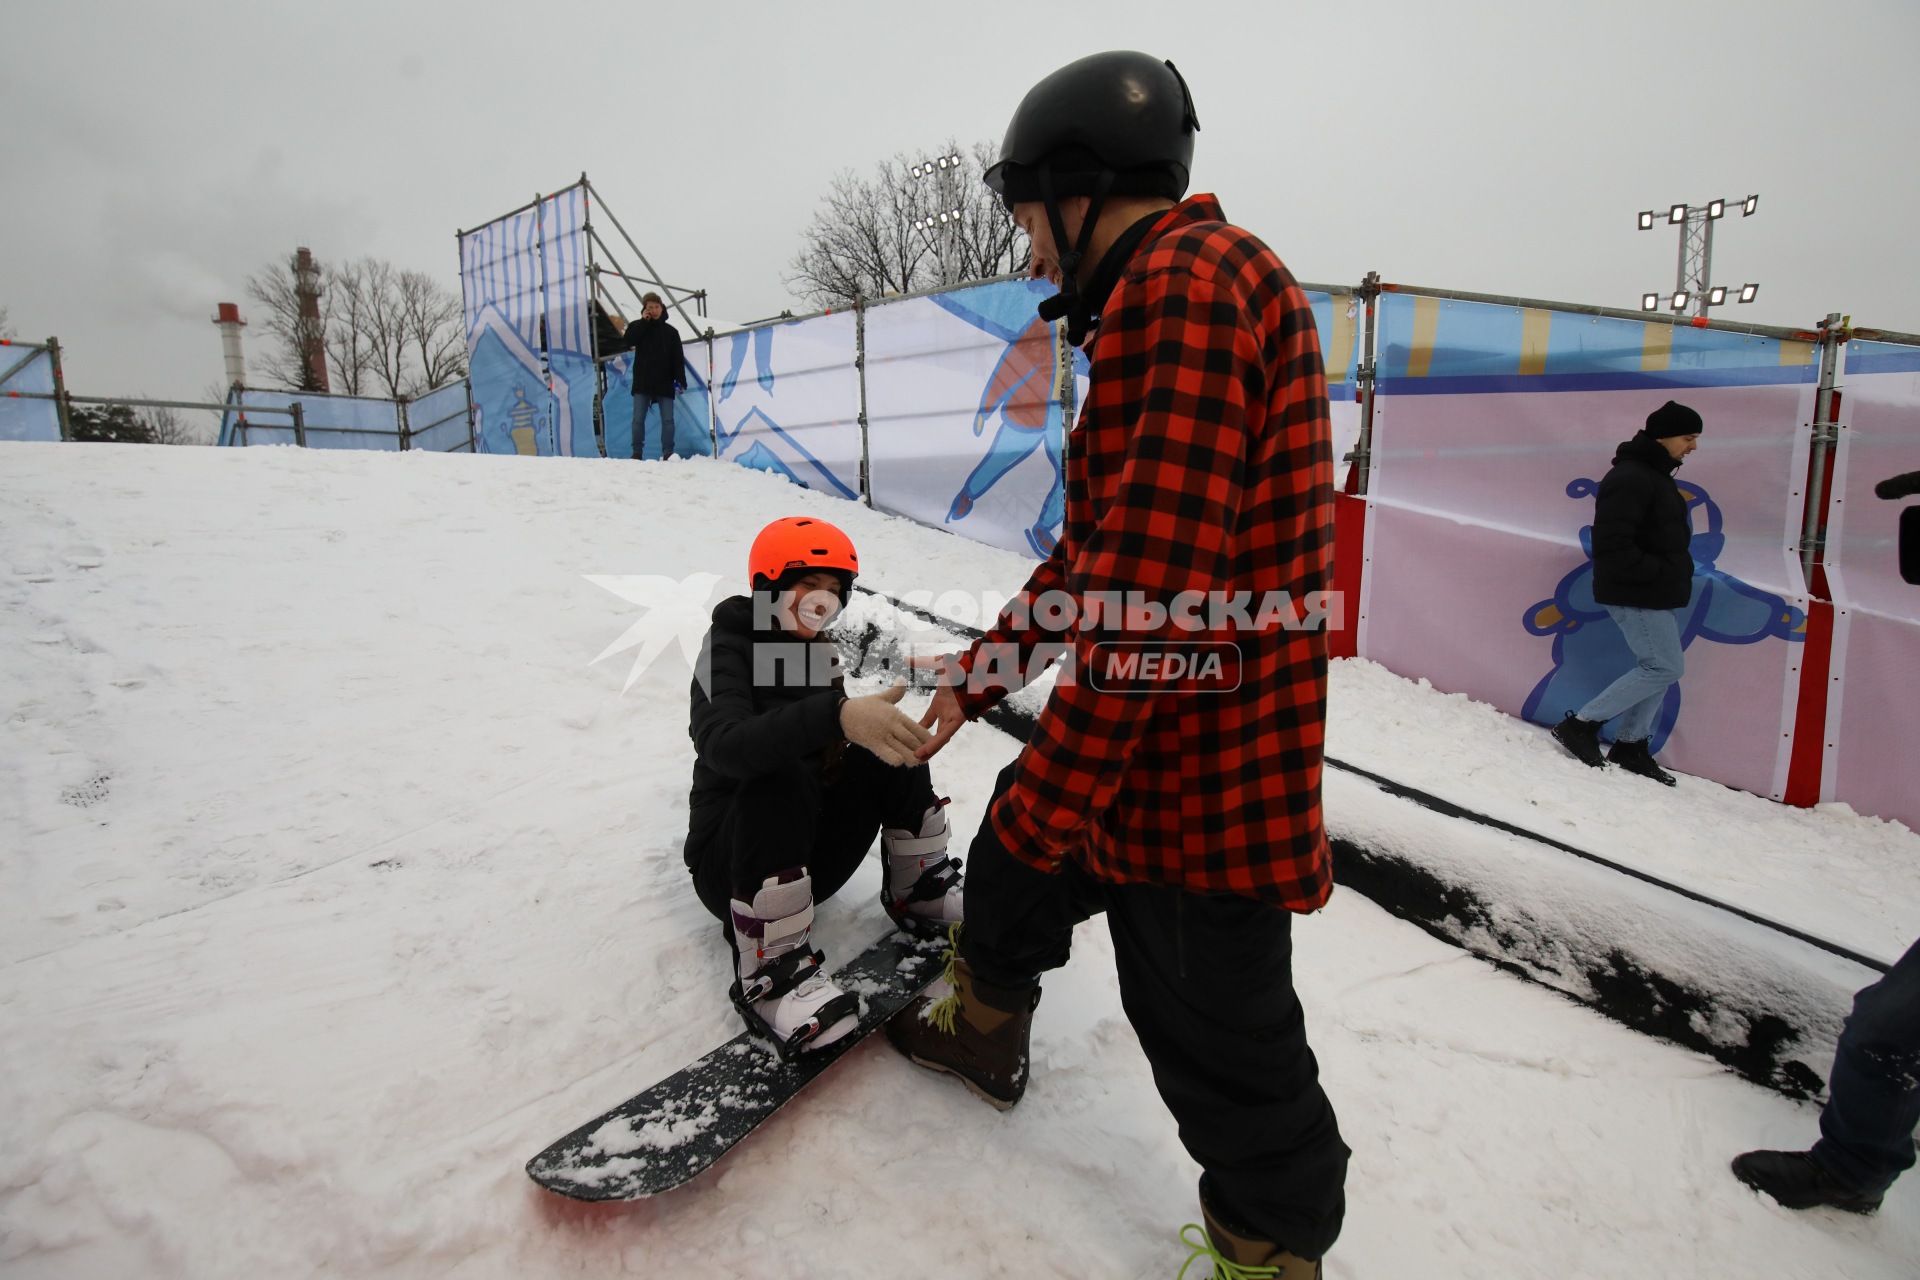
[[228, 318], [313, 346]]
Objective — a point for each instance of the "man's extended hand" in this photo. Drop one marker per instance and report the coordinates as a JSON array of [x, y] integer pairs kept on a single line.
[[943, 716]]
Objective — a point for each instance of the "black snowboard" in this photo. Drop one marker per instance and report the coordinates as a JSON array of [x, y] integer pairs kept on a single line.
[[659, 1139]]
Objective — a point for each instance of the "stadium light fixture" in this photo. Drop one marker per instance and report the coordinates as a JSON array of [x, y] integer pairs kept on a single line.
[[1649, 302], [1716, 208], [1717, 296], [1677, 215], [1646, 219], [1681, 299], [1747, 291], [1746, 210]]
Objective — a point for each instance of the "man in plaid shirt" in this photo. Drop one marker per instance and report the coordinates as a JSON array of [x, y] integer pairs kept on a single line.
[[1199, 519]]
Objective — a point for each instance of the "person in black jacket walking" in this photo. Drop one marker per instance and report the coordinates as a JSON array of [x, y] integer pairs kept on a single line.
[[791, 781], [659, 373], [1642, 573]]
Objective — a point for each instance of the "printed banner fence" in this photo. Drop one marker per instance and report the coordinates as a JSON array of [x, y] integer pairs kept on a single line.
[[330, 422], [1492, 428], [1873, 701], [27, 369], [439, 420], [967, 397], [786, 400]]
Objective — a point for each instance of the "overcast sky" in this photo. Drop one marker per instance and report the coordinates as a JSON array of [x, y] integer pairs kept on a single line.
[[154, 154]]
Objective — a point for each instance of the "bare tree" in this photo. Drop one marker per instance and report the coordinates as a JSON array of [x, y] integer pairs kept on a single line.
[[435, 328], [869, 238], [386, 331], [350, 308], [6, 329], [382, 325]]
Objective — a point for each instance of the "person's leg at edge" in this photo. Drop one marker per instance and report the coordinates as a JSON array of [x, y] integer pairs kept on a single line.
[[1873, 1103], [1207, 983]]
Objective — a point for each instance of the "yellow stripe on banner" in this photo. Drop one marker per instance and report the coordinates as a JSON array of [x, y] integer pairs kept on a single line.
[[1796, 353], [1534, 327], [1656, 351], [1339, 353], [1426, 328]]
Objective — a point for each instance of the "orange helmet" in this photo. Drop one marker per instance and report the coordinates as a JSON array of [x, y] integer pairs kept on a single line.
[[790, 549]]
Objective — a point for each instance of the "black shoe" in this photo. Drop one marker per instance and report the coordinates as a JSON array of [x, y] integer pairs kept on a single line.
[[1798, 1181], [1635, 758], [1581, 738]]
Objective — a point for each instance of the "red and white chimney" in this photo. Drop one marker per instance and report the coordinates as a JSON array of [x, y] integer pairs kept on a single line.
[[228, 318]]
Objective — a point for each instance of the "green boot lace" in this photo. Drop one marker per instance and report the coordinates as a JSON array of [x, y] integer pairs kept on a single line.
[[944, 1011], [1223, 1269]]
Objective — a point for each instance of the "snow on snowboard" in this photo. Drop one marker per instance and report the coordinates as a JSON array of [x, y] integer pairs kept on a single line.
[[659, 1139]]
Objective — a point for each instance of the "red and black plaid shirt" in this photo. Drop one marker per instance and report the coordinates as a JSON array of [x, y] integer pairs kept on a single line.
[[1202, 461]]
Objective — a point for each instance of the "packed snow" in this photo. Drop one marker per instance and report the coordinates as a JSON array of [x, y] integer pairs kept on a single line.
[[338, 879]]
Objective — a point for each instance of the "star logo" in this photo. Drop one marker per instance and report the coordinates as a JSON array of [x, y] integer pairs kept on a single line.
[[672, 609]]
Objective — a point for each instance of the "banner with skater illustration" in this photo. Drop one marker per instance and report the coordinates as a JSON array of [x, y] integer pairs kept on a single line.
[[1492, 430], [966, 413]]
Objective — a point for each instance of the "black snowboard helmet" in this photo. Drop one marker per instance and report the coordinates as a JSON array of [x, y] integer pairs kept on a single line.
[[1128, 114], [1116, 123]]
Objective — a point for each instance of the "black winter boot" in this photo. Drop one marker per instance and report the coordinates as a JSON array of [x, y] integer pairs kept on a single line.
[[1635, 758], [1798, 1181], [1581, 738]]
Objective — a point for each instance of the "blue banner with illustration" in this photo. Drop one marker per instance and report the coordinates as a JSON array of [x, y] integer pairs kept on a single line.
[[530, 329]]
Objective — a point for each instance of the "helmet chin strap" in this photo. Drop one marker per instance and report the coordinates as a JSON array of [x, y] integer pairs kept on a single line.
[[1068, 302]]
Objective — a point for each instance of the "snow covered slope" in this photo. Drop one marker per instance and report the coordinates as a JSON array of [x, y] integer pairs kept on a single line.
[[336, 879]]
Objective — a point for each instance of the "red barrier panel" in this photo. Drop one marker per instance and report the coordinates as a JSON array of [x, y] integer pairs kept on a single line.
[[1349, 561]]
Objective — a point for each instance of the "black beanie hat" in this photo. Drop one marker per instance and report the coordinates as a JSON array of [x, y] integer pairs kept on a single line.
[[1673, 419]]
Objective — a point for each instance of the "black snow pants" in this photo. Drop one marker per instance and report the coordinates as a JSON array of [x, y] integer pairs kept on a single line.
[[1207, 983]]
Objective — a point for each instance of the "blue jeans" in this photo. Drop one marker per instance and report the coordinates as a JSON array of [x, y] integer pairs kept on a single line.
[[1873, 1099], [641, 403], [1654, 637]]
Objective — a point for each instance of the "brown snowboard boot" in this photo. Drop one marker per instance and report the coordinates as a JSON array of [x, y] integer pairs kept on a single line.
[[1239, 1257], [975, 1031]]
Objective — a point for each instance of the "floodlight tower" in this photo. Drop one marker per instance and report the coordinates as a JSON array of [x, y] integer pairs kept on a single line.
[[942, 225], [1692, 284]]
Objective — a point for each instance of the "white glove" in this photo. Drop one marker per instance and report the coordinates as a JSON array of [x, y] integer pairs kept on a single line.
[[874, 722]]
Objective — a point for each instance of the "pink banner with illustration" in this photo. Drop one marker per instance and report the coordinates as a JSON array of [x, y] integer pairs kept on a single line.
[[1479, 570]]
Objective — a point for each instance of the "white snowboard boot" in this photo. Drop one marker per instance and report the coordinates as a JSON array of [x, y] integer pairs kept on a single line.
[[921, 888], [783, 991]]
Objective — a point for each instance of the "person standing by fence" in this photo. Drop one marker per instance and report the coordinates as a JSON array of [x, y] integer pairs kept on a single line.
[[659, 373]]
